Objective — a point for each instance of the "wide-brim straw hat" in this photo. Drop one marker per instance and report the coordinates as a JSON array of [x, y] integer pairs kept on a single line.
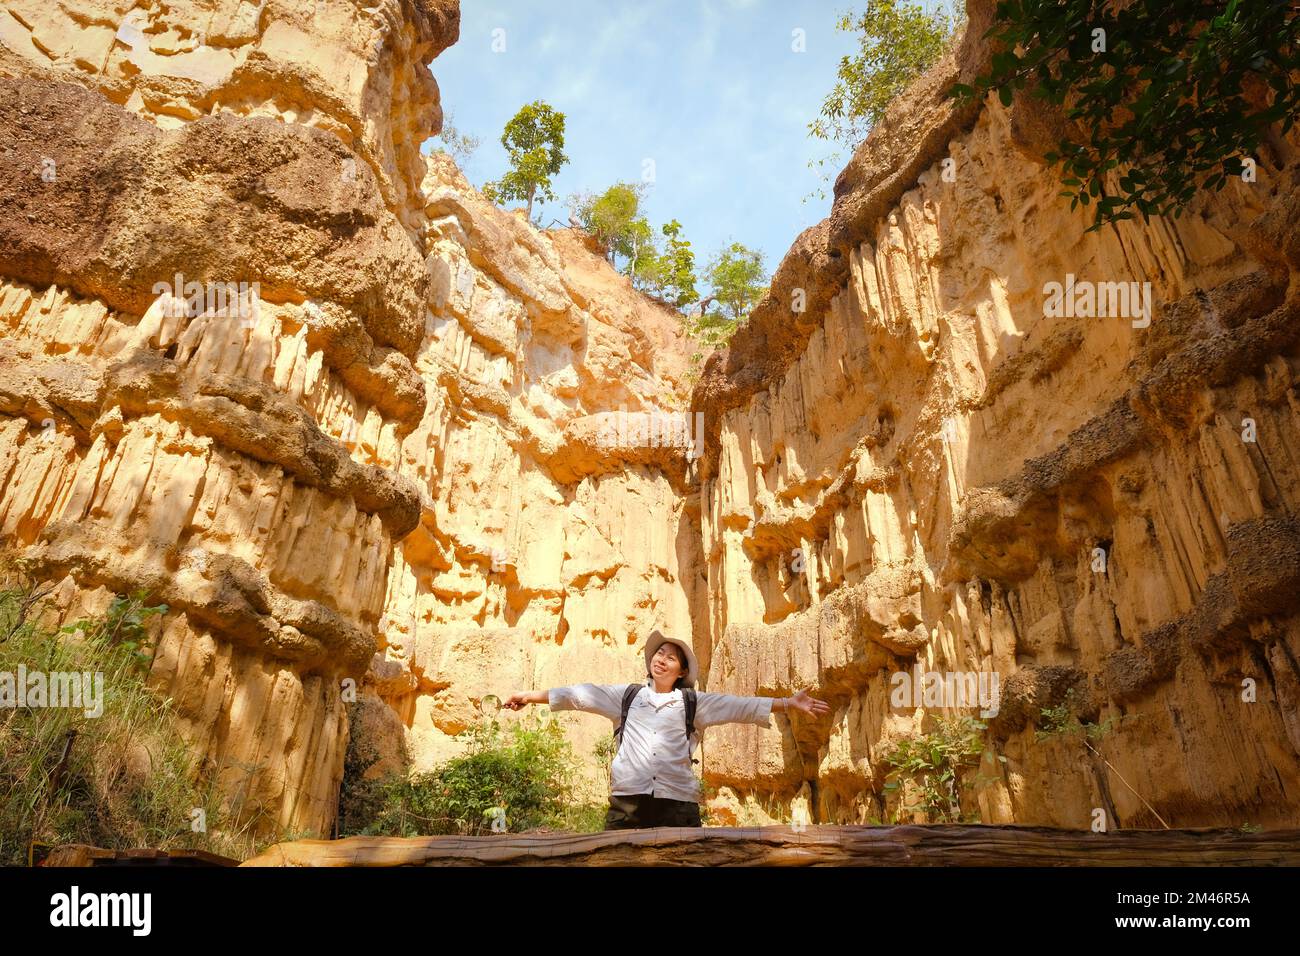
[[657, 639]]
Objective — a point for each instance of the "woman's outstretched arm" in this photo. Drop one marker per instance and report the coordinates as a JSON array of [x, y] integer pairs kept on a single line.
[[714, 709], [604, 699]]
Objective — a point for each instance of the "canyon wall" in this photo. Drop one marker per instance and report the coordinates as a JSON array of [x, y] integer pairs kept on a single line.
[[367, 474], [375, 485], [915, 463]]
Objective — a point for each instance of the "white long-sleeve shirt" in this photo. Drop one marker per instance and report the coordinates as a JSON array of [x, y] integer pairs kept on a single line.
[[655, 756]]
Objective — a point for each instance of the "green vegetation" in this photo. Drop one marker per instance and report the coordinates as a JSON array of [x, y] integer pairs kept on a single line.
[[675, 268], [534, 140], [707, 792], [1060, 721], [527, 770], [604, 751], [929, 768], [615, 220], [1167, 97], [735, 276], [122, 779], [609, 217], [759, 811], [459, 146], [662, 265], [898, 42]]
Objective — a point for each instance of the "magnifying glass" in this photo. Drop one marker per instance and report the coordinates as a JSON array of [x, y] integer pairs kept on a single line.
[[489, 705]]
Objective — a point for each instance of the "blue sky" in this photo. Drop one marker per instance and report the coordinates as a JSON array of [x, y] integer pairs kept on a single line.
[[710, 90]]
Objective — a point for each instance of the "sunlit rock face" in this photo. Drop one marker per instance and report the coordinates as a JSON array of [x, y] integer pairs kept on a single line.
[[385, 449], [946, 464], [261, 358]]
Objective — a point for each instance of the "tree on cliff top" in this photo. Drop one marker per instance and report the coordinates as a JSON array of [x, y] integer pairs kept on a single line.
[[613, 218], [459, 146], [735, 276], [898, 42], [534, 140], [1161, 98], [673, 271]]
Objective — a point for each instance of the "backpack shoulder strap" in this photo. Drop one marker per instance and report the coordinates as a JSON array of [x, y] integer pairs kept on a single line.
[[688, 696], [629, 695]]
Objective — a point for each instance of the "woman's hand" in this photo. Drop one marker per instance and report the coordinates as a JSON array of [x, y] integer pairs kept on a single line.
[[518, 701], [807, 703]]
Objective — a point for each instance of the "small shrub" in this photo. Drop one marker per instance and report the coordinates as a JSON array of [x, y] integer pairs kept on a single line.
[[933, 763], [528, 770], [1060, 721], [121, 780], [605, 750]]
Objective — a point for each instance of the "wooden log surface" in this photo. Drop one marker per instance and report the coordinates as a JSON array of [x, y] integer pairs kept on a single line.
[[810, 846], [81, 854]]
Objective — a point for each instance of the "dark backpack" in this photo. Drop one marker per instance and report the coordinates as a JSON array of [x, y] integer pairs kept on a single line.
[[688, 697]]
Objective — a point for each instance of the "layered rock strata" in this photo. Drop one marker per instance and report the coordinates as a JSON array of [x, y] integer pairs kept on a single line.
[[367, 469], [373, 476], [935, 468]]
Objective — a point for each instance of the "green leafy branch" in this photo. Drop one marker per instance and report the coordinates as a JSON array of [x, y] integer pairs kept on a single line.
[[1162, 97], [933, 763]]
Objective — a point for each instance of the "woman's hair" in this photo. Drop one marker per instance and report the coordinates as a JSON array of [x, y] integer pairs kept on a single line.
[[681, 659]]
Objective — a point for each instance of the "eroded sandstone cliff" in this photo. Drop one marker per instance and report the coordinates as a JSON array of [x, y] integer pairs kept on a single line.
[[974, 485], [374, 471], [386, 477]]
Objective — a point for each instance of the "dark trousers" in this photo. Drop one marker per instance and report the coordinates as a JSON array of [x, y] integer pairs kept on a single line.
[[634, 811]]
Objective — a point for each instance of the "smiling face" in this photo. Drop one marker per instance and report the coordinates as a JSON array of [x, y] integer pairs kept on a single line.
[[667, 664]]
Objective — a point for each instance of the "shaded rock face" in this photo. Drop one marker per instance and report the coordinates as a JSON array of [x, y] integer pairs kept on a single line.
[[364, 469], [130, 204], [973, 482], [408, 462]]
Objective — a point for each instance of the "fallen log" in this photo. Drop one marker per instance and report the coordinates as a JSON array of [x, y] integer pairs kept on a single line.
[[809, 846], [81, 854]]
